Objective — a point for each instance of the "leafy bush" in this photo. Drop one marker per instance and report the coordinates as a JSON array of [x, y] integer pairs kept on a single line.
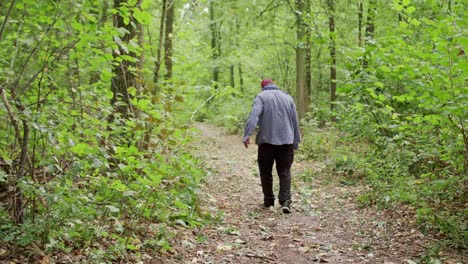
[[104, 184], [410, 106]]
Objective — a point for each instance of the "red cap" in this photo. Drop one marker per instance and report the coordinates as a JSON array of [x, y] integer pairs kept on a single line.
[[266, 82]]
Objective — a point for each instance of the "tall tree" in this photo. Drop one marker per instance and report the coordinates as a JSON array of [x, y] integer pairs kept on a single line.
[[168, 36], [162, 23], [370, 27], [214, 43], [241, 79], [124, 75], [301, 88], [360, 19], [231, 76], [332, 47], [308, 72]]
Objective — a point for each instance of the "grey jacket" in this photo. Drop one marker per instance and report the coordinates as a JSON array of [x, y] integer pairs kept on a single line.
[[274, 112]]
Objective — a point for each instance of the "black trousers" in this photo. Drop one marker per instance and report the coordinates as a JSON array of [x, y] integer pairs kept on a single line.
[[283, 156]]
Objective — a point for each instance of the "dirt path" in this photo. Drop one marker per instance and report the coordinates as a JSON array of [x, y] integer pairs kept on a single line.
[[326, 224]]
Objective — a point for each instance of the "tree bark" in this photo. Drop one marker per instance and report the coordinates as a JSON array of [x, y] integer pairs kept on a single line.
[[214, 44], [360, 18], [308, 82], [18, 214], [332, 47], [231, 76], [157, 63], [369, 31], [168, 39], [241, 79], [301, 91]]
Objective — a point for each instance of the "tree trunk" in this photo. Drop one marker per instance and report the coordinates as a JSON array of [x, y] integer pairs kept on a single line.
[[369, 31], [18, 214], [168, 39], [308, 57], [332, 44], [301, 91], [214, 45], [241, 80], [231, 76], [123, 77], [319, 71], [157, 63], [360, 14]]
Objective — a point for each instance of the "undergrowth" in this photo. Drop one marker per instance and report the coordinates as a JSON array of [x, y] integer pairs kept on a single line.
[[105, 190], [439, 197]]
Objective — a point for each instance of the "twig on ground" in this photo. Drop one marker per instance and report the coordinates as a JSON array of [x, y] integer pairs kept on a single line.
[[252, 255]]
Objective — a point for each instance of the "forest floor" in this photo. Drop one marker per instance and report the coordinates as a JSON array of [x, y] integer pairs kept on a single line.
[[327, 224]]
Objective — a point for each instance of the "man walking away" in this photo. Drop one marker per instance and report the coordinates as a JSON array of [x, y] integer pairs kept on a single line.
[[274, 112]]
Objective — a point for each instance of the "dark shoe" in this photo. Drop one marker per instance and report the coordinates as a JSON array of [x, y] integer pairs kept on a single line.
[[268, 204], [286, 207]]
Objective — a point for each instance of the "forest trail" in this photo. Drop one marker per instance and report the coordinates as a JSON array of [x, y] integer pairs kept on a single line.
[[326, 226]]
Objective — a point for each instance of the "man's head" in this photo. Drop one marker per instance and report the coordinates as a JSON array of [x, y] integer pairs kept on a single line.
[[266, 82]]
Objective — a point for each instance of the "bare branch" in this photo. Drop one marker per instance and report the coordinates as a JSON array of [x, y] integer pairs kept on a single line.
[[6, 18], [11, 114]]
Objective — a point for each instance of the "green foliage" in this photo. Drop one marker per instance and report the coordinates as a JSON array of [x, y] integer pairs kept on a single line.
[[410, 104], [114, 184], [225, 111], [109, 190], [107, 187]]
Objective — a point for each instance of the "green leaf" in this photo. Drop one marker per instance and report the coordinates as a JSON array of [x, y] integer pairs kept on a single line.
[[384, 68], [379, 84], [410, 9], [119, 186], [141, 16], [414, 22]]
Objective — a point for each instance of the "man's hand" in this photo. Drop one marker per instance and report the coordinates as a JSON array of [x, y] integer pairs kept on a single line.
[[246, 143]]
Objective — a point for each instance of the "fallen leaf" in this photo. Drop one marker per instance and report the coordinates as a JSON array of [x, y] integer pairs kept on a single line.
[[187, 243], [304, 249], [223, 247], [3, 253], [46, 260], [240, 241], [234, 232], [265, 238]]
